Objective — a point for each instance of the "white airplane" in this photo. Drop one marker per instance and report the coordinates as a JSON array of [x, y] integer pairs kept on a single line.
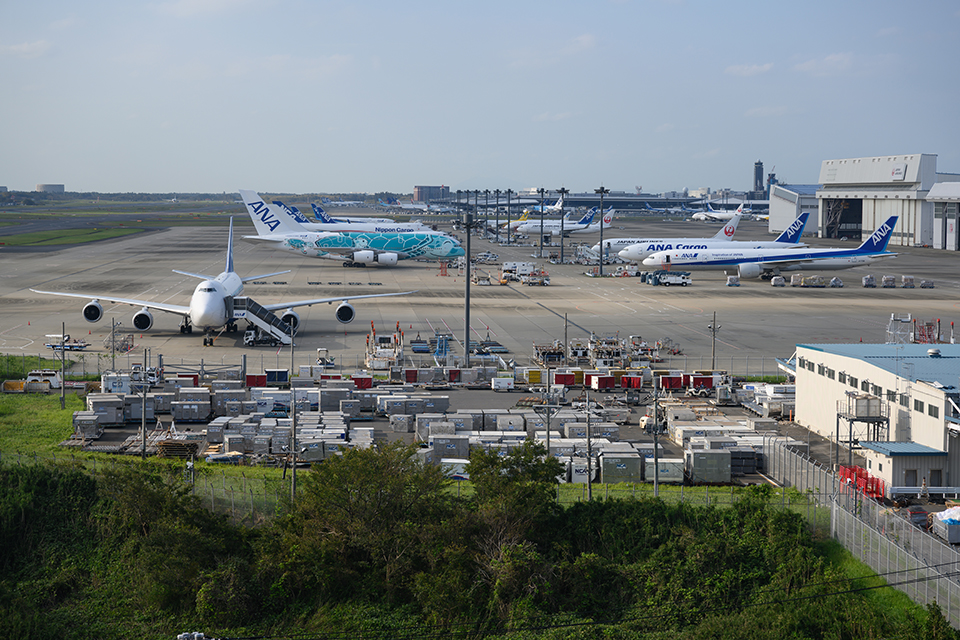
[[712, 215], [722, 240], [547, 208], [350, 224], [555, 227], [212, 303], [614, 245], [325, 218], [762, 263], [342, 203]]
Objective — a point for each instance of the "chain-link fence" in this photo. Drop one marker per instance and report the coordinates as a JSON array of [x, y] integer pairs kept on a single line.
[[912, 560]]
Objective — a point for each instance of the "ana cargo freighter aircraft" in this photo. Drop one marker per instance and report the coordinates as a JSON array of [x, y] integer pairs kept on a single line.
[[216, 303]]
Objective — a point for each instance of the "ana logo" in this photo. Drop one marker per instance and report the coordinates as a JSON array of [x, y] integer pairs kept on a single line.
[[879, 233], [729, 230], [659, 247], [266, 217], [796, 225]]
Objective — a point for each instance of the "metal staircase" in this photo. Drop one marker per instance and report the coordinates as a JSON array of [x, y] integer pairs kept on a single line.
[[250, 310]]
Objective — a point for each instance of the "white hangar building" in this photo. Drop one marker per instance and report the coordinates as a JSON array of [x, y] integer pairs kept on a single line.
[[856, 195], [899, 403]]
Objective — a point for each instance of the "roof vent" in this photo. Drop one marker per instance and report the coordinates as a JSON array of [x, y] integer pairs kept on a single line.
[[933, 353]]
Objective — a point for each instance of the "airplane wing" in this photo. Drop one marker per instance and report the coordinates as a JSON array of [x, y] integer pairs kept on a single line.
[[160, 306], [347, 298]]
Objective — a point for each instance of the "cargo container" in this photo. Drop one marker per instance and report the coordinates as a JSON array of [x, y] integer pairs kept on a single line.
[[620, 467], [667, 470], [710, 466]]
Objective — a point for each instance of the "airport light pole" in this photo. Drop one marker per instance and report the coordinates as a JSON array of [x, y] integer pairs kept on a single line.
[[563, 191], [486, 211], [601, 191], [467, 224], [713, 327], [509, 192], [541, 191], [497, 193]]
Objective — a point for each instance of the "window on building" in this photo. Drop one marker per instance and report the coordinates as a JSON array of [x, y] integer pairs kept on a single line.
[[802, 363], [891, 396], [933, 411], [809, 366], [918, 406], [842, 378], [820, 369], [880, 467], [831, 373], [904, 400], [865, 385], [853, 382], [876, 390]]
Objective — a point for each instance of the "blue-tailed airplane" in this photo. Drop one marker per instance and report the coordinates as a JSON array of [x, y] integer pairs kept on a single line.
[[765, 263], [641, 249], [325, 218], [212, 305], [277, 228]]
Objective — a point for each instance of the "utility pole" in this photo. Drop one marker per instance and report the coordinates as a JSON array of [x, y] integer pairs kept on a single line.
[[293, 422], [713, 327], [468, 226], [496, 192], [509, 192], [589, 455], [143, 408], [63, 366]]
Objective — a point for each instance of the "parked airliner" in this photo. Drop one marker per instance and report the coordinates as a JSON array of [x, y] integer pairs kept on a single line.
[[350, 224], [763, 263], [789, 238], [556, 227], [357, 248], [614, 245], [211, 305]]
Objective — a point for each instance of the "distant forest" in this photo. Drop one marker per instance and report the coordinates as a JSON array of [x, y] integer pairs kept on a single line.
[[32, 198]]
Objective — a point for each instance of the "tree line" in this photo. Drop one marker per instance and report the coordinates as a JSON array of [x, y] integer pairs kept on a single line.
[[379, 544]]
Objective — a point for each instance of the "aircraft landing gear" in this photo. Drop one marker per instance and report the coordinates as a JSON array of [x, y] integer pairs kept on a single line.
[[231, 327], [208, 340], [186, 327]]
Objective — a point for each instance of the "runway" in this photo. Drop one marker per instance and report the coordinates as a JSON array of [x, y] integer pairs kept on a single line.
[[757, 320]]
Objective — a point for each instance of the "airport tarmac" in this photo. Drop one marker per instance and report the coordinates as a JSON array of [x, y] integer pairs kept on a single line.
[[757, 321]]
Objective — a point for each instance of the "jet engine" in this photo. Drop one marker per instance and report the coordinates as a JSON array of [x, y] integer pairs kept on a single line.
[[345, 313], [369, 257], [751, 270], [92, 311], [291, 317], [143, 319]]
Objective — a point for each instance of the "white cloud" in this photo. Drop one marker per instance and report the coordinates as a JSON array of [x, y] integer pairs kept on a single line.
[[27, 49], [830, 65], [747, 70]]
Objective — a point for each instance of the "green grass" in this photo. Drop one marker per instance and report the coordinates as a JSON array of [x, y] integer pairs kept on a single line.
[[64, 236], [32, 422]]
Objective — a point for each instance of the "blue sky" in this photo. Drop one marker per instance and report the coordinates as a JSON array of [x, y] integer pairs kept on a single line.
[[314, 96]]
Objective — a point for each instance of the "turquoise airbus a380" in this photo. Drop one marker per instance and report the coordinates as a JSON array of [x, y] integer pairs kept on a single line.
[[361, 247]]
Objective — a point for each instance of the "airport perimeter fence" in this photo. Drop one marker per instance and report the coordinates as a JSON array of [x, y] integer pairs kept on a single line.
[[912, 560]]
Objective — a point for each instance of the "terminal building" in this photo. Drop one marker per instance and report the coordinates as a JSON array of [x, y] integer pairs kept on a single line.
[[50, 188], [896, 405]]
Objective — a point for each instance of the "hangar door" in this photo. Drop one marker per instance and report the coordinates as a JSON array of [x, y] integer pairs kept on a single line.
[[842, 218]]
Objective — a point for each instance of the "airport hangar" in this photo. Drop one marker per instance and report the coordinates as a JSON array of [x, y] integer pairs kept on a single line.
[[898, 403], [856, 195]]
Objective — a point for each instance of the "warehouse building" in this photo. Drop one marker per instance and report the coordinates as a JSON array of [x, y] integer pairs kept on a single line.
[[897, 404], [788, 201]]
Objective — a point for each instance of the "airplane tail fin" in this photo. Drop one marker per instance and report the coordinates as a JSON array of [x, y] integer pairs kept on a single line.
[[321, 215], [726, 233], [293, 212], [588, 218], [791, 234], [229, 267], [877, 242], [266, 219]]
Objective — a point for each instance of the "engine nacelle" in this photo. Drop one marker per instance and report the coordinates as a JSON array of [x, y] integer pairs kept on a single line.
[[345, 313], [387, 259], [292, 318], [363, 257], [751, 270], [143, 319], [92, 311]]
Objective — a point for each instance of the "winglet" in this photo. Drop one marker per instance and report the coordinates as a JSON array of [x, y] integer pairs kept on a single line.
[[726, 233], [877, 242], [791, 235]]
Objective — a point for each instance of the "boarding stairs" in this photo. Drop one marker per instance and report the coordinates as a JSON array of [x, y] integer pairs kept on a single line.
[[250, 310]]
